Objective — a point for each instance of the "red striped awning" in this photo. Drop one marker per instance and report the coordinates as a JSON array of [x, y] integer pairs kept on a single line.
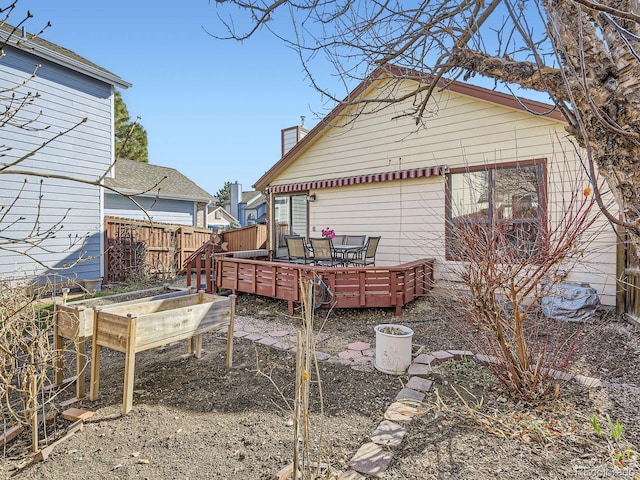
[[358, 179]]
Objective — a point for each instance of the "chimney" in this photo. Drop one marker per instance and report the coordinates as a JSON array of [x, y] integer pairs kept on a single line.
[[292, 135], [235, 197]]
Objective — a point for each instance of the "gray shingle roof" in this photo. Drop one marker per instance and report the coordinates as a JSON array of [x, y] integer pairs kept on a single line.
[[251, 196], [62, 56], [133, 177]]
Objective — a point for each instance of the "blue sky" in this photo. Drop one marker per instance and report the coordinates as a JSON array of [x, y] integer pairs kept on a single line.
[[212, 109]]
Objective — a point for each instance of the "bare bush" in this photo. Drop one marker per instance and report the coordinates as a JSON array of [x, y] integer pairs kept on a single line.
[[28, 357], [33, 237], [507, 264]]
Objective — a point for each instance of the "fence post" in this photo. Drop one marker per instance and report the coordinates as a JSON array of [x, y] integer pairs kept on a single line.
[[621, 264]]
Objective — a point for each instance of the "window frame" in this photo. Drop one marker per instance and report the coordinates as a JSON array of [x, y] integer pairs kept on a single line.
[[541, 176]]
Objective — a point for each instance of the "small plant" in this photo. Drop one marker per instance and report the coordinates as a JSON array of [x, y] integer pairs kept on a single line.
[[596, 425], [618, 452], [28, 357], [538, 428], [508, 265], [615, 429]]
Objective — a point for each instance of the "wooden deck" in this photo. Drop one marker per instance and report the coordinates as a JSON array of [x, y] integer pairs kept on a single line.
[[352, 287]]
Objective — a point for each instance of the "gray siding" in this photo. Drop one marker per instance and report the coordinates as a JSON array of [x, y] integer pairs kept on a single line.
[[160, 210], [65, 98]]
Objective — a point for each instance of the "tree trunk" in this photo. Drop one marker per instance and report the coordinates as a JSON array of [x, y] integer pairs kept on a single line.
[[604, 81], [600, 80]]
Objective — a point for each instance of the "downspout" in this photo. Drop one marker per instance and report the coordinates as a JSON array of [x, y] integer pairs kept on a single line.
[[102, 228], [270, 224]]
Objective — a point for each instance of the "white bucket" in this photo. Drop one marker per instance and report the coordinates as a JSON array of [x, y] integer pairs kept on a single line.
[[92, 284], [393, 348]]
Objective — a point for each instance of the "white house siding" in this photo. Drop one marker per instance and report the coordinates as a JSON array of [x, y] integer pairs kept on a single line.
[[218, 223], [179, 212], [409, 214], [85, 153]]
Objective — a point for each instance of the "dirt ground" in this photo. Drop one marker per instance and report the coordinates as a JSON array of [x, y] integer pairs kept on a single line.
[[194, 419]]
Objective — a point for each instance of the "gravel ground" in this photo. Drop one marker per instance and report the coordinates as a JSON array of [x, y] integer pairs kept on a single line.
[[194, 419]]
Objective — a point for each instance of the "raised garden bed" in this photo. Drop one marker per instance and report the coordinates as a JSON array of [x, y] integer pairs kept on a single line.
[[142, 326], [74, 322]]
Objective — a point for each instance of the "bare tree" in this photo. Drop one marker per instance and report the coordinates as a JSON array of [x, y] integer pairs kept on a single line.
[[26, 137], [582, 53], [27, 358]]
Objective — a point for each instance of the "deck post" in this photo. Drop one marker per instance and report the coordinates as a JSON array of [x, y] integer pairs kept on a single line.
[[188, 272], [398, 304], [209, 267], [230, 328], [274, 282], [198, 275]]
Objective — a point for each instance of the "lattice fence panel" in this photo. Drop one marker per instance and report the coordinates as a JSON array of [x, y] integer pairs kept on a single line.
[[126, 256]]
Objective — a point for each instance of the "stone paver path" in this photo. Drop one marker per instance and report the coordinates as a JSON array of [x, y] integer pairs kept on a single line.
[[374, 457]]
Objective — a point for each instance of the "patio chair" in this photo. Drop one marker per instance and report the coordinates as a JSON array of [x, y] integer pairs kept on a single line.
[[323, 252], [351, 247], [282, 252], [367, 255], [296, 250], [356, 240], [338, 239]]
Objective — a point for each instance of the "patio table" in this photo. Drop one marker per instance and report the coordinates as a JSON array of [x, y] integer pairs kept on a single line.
[[344, 250]]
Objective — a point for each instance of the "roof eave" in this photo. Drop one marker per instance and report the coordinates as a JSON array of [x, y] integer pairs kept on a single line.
[[226, 214], [256, 201], [136, 193], [458, 87], [63, 60]]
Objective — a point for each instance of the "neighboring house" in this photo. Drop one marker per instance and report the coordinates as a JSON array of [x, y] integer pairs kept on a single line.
[[254, 208], [219, 219], [165, 194], [381, 175], [69, 94], [249, 208]]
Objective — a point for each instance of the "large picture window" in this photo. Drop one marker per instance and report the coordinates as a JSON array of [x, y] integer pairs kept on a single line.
[[500, 207]]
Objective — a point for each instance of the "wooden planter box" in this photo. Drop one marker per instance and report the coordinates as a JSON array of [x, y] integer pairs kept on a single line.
[[141, 326], [74, 322]]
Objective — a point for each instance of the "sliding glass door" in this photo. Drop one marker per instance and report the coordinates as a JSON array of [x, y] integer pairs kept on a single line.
[[290, 218]]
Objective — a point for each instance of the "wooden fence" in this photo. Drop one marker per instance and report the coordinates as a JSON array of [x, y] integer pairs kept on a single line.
[[629, 277], [252, 237], [137, 249]]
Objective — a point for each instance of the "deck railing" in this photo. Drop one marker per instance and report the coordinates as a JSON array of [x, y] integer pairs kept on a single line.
[[351, 287]]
